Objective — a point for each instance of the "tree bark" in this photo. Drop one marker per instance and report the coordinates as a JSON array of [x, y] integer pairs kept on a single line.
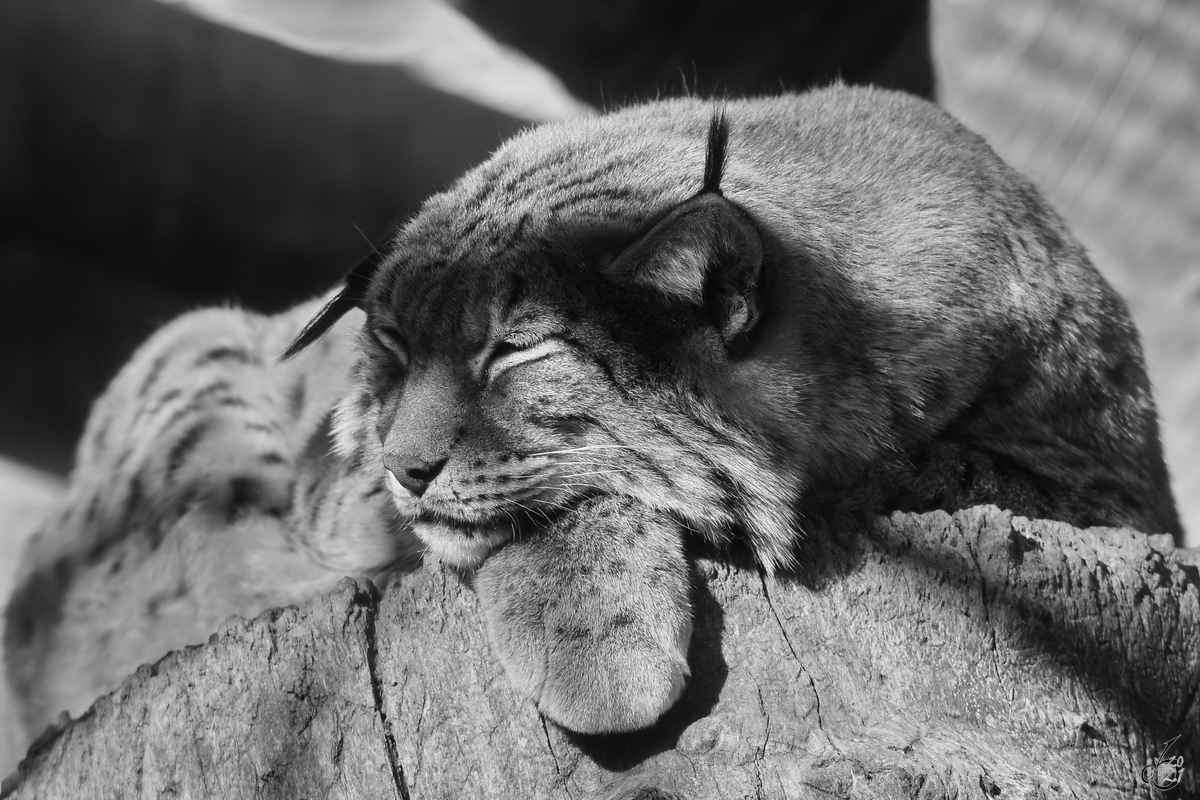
[[924, 656]]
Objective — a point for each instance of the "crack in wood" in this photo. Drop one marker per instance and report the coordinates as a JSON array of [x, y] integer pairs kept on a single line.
[[371, 608], [783, 632], [554, 756]]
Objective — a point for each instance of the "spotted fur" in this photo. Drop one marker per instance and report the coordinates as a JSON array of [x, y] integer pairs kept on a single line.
[[623, 331], [203, 487]]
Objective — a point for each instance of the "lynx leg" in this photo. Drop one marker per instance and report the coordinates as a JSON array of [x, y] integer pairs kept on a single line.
[[592, 617]]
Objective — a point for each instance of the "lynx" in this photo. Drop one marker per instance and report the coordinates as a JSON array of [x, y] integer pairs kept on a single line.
[[723, 322]]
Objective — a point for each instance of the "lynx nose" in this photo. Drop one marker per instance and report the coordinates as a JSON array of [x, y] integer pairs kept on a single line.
[[415, 474]]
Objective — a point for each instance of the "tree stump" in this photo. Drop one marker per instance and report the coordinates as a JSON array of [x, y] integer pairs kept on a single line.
[[925, 656]]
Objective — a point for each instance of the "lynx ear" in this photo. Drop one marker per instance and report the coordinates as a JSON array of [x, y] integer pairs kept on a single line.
[[352, 296], [706, 252]]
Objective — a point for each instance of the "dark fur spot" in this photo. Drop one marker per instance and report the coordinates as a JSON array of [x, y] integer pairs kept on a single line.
[[244, 494], [624, 619], [616, 195], [476, 200], [731, 495], [567, 424], [155, 371], [236, 354], [613, 569], [520, 179], [182, 448], [470, 227], [296, 397], [649, 463], [37, 604], [198, 400], [573, 633], [216, 387], [519, 229], [315, 495], [167, 397], [93, 510], [271, 458], [134, 500]]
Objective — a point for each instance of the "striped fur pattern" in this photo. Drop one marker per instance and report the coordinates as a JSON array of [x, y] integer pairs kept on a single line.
[[620, 332], [204, 486]]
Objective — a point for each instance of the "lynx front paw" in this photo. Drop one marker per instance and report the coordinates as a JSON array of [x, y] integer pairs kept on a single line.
[[592, 617]]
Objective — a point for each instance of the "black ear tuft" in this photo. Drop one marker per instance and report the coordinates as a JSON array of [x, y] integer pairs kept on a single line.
[[714, 156], [358, 280], [705, 252]]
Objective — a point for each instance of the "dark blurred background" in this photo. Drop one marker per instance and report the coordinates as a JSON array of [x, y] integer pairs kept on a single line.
[[152, 161]]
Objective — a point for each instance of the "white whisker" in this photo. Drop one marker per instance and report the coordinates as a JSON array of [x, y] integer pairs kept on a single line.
[[597, 472], [645, 449], [584, 447]]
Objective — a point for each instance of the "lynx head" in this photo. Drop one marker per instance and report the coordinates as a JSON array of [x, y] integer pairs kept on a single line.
[[549, 330]]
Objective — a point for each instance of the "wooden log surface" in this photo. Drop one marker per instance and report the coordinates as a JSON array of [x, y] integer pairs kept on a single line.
[[927, 656]]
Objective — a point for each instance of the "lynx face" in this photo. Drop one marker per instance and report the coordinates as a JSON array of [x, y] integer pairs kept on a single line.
[[513, 386], [496, 410]]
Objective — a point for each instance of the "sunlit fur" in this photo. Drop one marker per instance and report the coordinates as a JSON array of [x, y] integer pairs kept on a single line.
[[920, 305]]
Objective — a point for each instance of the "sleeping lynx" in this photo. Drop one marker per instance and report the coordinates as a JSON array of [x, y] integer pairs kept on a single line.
[[616, 333]]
